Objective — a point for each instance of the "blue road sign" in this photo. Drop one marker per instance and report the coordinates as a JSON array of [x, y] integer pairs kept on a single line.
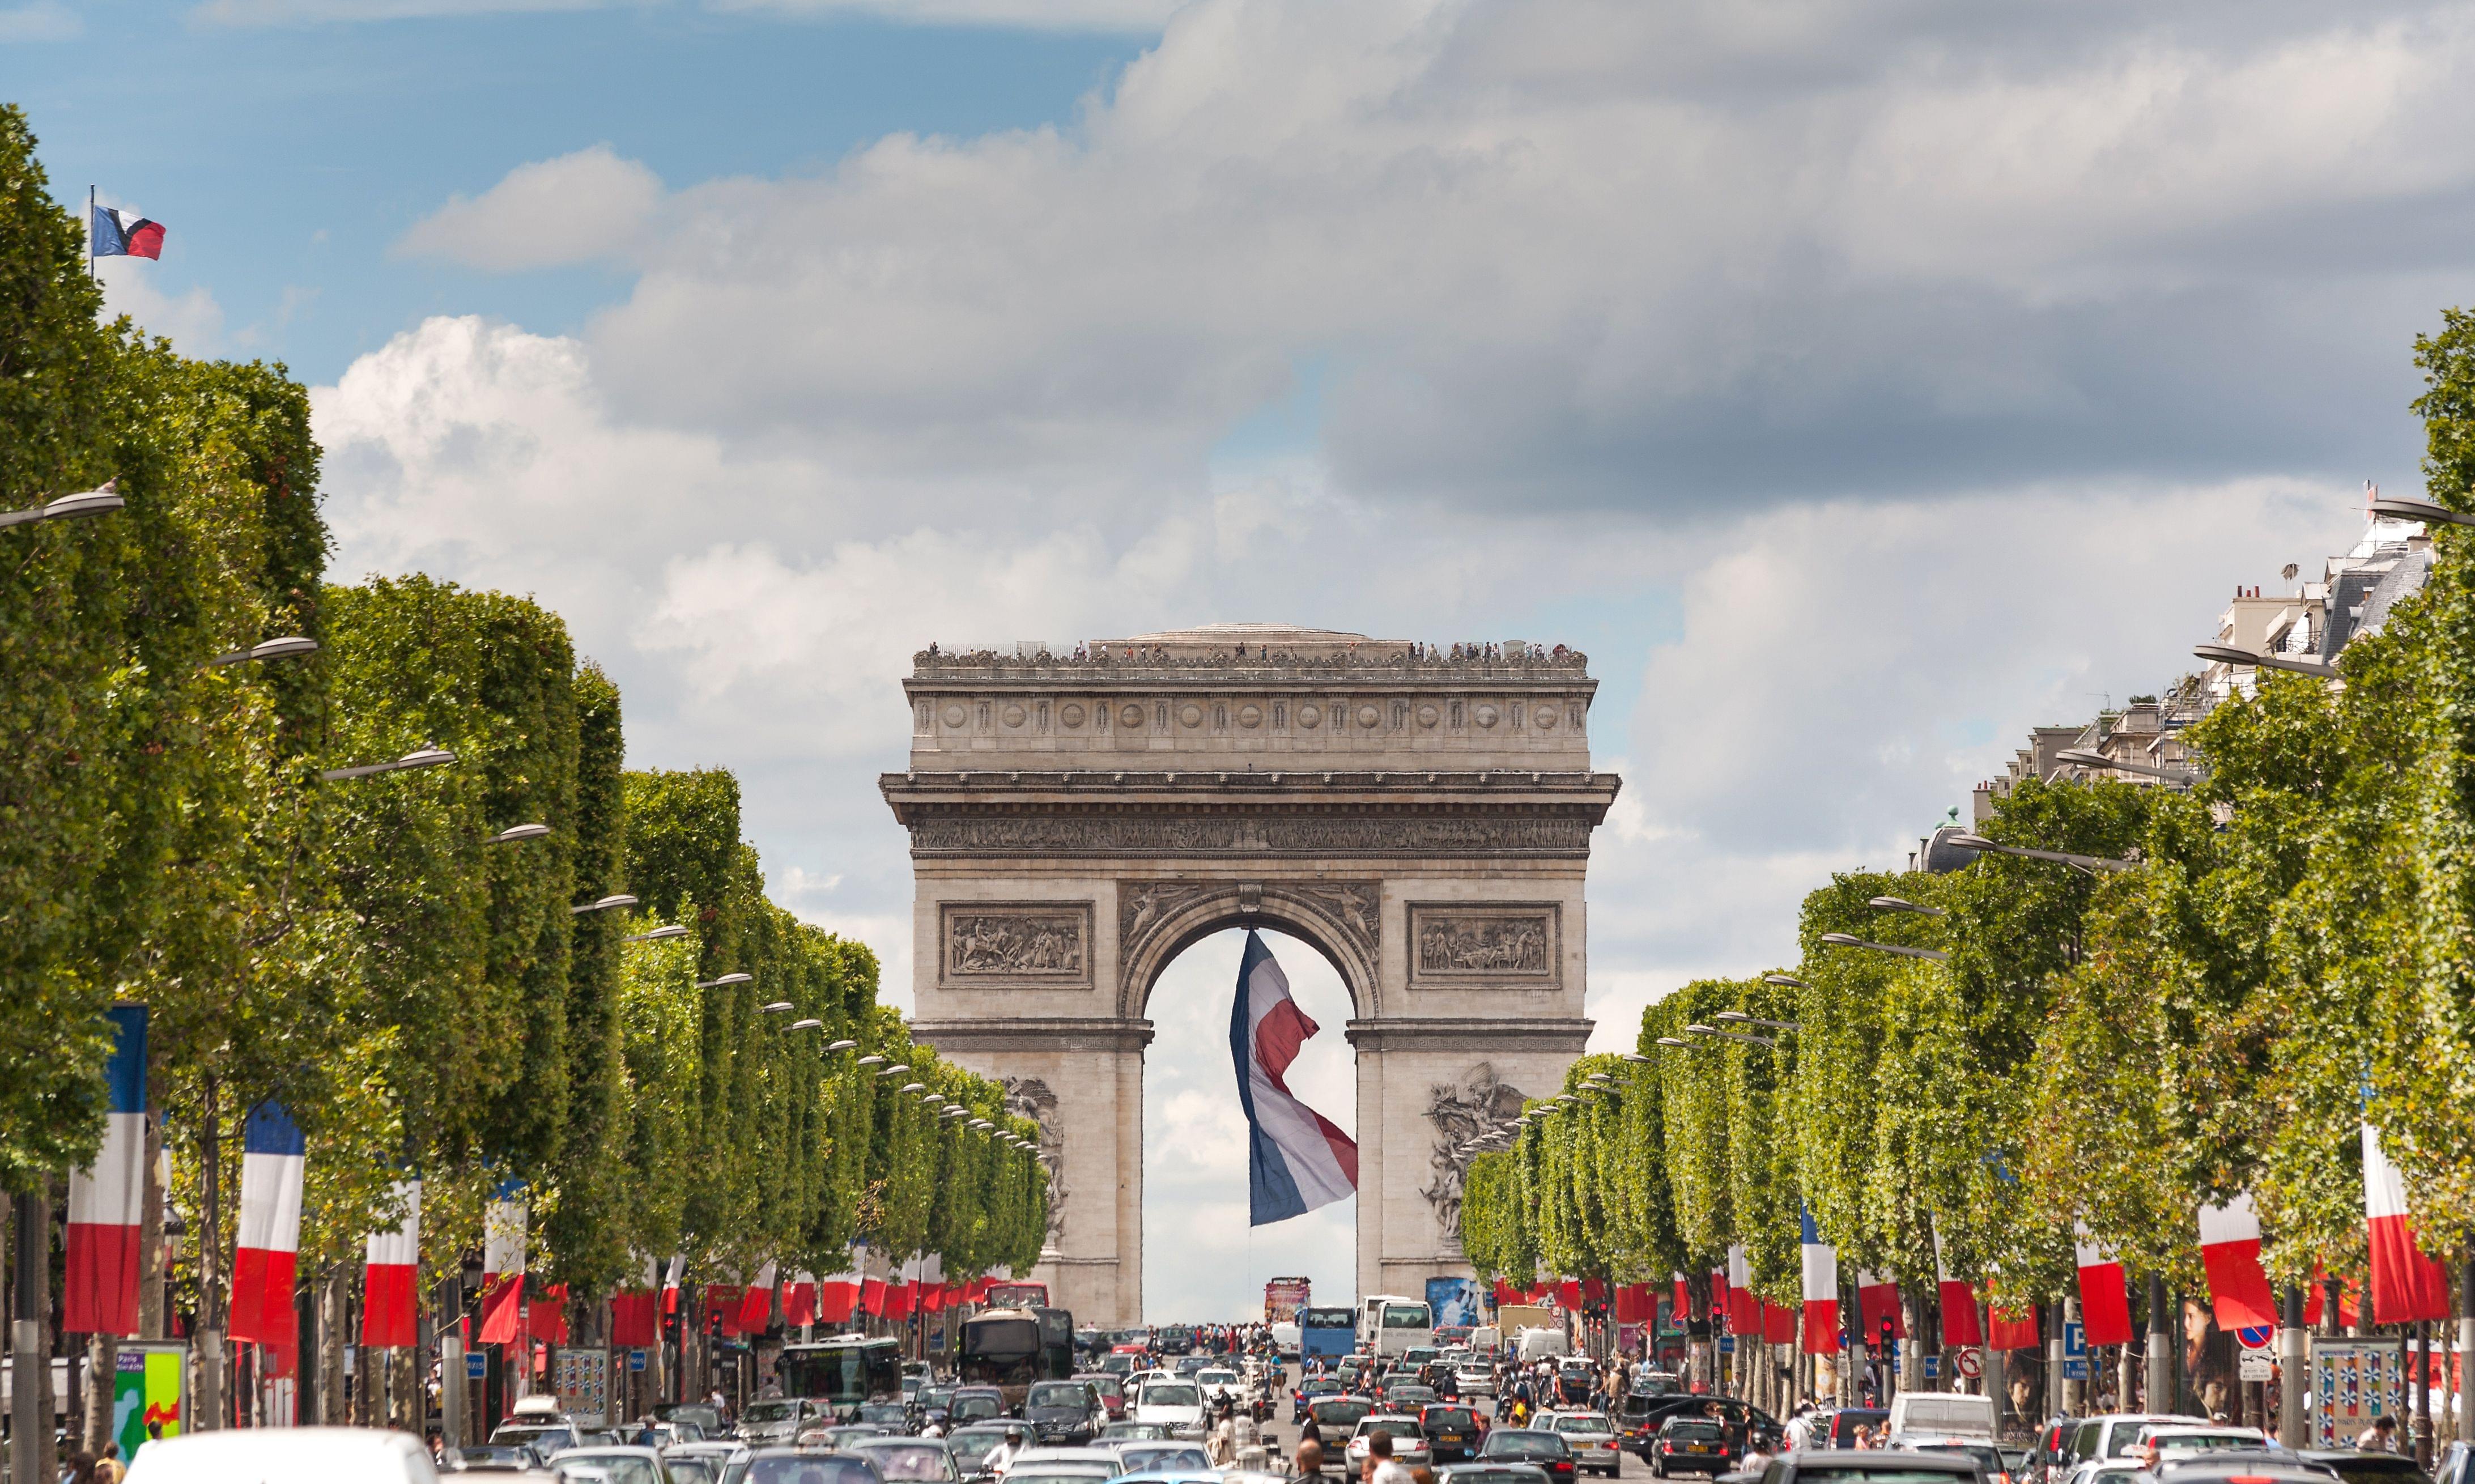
[[2075, 1370], [2075, 1342], [1933, 1367], [635, 1360], [1727, 1344], [2255, 1337], [477, 1366]]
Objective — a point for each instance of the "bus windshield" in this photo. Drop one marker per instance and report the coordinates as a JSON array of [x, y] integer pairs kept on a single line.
[[842, 1374], [1406, 1316], [1000, 1351]]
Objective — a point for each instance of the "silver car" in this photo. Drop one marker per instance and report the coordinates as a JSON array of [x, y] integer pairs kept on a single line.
[[1409, 1441]]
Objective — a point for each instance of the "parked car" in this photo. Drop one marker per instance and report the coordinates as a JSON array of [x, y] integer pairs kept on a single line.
[[1546, 1451]]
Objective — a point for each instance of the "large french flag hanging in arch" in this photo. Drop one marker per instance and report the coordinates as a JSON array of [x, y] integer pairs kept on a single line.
[[1296, 1159]]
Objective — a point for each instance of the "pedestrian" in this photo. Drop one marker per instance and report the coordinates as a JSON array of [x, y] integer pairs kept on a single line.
[[2380, 1437], [80, 1469], [1379, 1467], [1310, 1456], [107, 1468]]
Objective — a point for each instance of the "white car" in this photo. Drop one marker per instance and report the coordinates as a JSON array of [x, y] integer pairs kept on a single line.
[[1475, 1380], [1590, 1436], [1177, 1406], [1409, 1441], [284, 1455], [624, 1464], [1218, 1383], [2161, 1446]]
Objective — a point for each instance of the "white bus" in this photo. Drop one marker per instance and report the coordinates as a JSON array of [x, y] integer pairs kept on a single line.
[[1391, 1325]]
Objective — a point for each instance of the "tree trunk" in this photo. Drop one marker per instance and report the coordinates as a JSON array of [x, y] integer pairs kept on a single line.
[[209, 1345]]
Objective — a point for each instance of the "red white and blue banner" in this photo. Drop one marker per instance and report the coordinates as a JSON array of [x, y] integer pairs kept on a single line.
[[1957, 1302], [2407, 1286], [1296, 1159], [635, 1316], [1821, 1266], [2230, 1250], [272, 1160], [670, 1278], [756, 1304], [124, 237], [2106, 1304], [838, 1294], [108, 1199], [505, 1222], [800, 1298], [390, 1314], [1743, 1305], [1877, 1300]]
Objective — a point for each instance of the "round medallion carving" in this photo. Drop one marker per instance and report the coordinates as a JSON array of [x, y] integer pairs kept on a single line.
[[1250, 717], [954, 713], [1071, 713], [1486, 714], [1368, 716], [1013, 715], [1546, 718], [1310, 717], [1192, 716], [1427, 716], [1130, 716]]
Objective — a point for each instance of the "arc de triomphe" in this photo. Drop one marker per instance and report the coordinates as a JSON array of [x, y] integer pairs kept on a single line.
[[1077, 822]]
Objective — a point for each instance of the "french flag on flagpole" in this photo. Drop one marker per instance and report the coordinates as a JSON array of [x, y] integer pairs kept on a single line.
[[108, 1199], [2407, 1286], [273, 1154], [1821, 1263], [119, 237], [1296, 1159], [800, 1298], [2106, 1304], [671, 1276], [503, 1222], [1959, 1326], [838, 1295], [2230, 1250], [393, 1257]]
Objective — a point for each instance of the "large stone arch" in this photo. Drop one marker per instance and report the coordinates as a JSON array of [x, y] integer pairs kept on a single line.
[[1078, 821], [1159, 920]]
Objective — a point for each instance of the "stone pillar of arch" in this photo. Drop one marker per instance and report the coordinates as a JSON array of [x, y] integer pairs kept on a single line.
[[1076, 822]]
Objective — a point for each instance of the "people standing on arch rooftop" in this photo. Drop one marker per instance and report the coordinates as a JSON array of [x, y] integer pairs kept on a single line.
[[1296, 1160]]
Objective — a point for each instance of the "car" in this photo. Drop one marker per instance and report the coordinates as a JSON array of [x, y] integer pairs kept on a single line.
[[716, 1456], [1987, 1456], [973, 1404], [843, 1434], [1542, 1450], [1832, 1428], [2357, 1466], [1474, 1379], [1110, 1389], [2161, 1443], [2280, 1464], [2106, 1435], [1749, 1426], [1063, 1412], [971, 1444], [927, 1460], [1308, 1391], [1859, 1466], [286, 1455], [488, 1455], [1178, 1404], [1146, 1457], [624, 1464], [1409, 1397], [543, 1438], [1219, 1381], [1482, 1471], [1409, 1441], [1685, 1444], [1453, 1431], [776, 1419], [1593, 1439], [805, 1465]]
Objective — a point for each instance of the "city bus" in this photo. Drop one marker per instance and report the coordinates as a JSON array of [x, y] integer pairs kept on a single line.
[[1326, 1333], [844, 1372], [1010, 1348], [1392, 1325]]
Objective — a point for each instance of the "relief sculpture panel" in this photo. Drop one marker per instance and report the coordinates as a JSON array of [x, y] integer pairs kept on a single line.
[[1480, 1105], [1016, 944], [1457, 946]]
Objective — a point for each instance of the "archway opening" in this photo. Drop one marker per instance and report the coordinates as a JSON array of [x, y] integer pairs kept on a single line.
[[1202, 1263]]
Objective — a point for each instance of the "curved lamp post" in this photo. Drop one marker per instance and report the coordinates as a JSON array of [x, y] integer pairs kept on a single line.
[[2228, 654], [605, 904], [103, 499], [658, 935], [1900, 904], [419, 757], [1851, 940], [726, 978], [2066, 858], [2081, 757], [519, 831]]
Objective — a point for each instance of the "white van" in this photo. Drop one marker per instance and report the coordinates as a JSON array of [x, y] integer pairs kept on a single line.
[[1943, 1413], [1539, 1343]]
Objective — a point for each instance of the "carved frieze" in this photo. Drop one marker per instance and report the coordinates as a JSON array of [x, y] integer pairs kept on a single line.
[[1030, 1097], [1459, 945], [993, 945], [1478, 1105], [1149, 833]]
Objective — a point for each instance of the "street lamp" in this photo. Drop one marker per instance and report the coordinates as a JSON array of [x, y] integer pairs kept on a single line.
[[933, 1099], [284, 649], [896, 1070], [515, 832], [419, 757], [841, 1045], [1851, 940], [102, 500], [2419, 510], [808, 1025], [1729, 1035], [775, 1009], [603, 905], [1634, 1055], [2066, 858], [2228, 654], [914, 1087], [1785, 981], [657, 935], [2079, 756], [1738, 1017], [1668, 1040], [726, 978], [1900, 904], [871, 1059]]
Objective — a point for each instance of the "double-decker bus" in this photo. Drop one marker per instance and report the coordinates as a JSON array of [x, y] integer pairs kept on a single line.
[[1010, 1348], [844, 1372]]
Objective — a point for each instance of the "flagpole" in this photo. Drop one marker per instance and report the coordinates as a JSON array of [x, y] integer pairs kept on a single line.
[[90, 234]]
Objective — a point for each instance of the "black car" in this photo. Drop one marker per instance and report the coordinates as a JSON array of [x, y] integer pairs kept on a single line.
[[1495, 1473], [1174, 1339], [1749, 1426], [1452, 1432], [1063, 1414], [1690, 1444], [2356, 1466], [1546, 1451]]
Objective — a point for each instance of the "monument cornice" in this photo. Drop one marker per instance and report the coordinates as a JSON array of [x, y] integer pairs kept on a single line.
[[1025, 1032], [1457, 1033], [967, 681], [1253, 788]]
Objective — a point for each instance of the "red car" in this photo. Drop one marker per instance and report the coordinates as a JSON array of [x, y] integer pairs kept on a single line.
[[1112, 1390]]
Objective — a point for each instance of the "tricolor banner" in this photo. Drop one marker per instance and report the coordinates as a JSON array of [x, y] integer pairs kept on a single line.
[[2106, 1304], [2230, 1250], [1743, 1305], [505, 1222], [272, 1159], [635, 1318], [1877, 1300], [671, 1279], [932, 1283], [2407, 1286], [1958, 1303], [756, 1304], [390, 1313], [800, 1298], [838, 1295], [1777, 1324], [108, 1199], [1821, 1264], [1683, 1299], [1296, 1159], [115, 235]]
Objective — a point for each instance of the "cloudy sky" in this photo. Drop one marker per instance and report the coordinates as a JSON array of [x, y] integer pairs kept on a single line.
[[1858, 383]]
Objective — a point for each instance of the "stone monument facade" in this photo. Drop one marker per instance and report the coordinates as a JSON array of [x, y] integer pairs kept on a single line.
[[1424, 821]]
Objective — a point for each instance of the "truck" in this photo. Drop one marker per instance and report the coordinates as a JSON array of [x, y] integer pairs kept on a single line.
[[1511, 1319]]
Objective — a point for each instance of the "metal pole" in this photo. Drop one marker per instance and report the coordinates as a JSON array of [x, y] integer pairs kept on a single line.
[[2465, 1345], [450, 1363], [2292, 1361], [29, 1430], [2421, 1344], [2054, 1360], [2160, 1381]]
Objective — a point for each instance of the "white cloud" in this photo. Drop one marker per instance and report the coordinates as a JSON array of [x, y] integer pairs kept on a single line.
[[191, 319], [1140, 16], [580, 208]]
